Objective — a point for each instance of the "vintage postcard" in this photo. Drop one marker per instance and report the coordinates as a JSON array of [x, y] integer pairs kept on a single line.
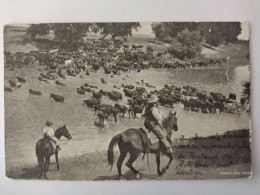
[[127, 101]]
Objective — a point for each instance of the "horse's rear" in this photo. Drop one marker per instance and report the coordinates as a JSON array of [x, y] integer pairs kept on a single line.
[[44, 150]]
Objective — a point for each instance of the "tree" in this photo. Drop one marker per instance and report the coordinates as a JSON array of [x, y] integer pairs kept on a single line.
[[186, 44], [171, 29], [213, 33], [117, 29], [38, 29], [70, 34]]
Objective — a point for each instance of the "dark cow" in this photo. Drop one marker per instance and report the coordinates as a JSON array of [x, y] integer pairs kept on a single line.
[[97, 95], [103, 92], [20, 79], [61, 74], [8, 89], [232, 96], [167, 100], [57, 98], [128, 86], [134, 109], [87, 89], [80, 91], [103, 81], [107, 109], [129, 93], [92, 102], [60, 83], [114, 95], [34, 92]]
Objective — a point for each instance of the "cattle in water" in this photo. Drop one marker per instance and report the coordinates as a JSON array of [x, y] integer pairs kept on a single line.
[[8, 89], [168, 100], [107, 109], [46, 76], [57, 98], [43, 79], [140, 90], [21, 79], [92, 86], [92, 102], [103, 81], [114, 95], [103, 92], [14, 83], [34, 92], [97, 95], [232, 96], [85, 88], [128, 93], [80, 91], [123, 108], [128, 86], [60, 83], [134, 109], [61, 74]]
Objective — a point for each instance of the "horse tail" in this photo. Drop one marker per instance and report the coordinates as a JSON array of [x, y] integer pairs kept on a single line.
[[110, 152]]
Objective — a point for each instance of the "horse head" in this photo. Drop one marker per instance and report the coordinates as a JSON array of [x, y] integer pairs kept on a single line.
[[63, 131], [170, 123]]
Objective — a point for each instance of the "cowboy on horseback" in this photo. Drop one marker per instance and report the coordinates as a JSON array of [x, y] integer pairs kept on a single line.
[[153, 121], [49, 133]]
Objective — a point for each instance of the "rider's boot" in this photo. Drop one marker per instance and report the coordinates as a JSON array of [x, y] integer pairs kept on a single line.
[[58, 148]]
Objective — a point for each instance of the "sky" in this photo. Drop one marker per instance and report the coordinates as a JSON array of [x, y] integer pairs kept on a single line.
[[147, 29]]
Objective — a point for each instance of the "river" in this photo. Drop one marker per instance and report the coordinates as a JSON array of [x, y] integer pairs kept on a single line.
[[25, 114]]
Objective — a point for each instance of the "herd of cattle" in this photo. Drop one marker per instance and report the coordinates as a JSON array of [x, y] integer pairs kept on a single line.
[[113, 56], [137, 95]]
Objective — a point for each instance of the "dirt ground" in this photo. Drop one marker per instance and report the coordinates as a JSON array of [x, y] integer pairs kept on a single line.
[[213, 157]]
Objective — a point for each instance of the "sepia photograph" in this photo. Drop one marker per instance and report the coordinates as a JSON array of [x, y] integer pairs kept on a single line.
[[127, 101]]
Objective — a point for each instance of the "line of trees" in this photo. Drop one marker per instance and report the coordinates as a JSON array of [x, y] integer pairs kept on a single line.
[[71, 34], [186, 37]]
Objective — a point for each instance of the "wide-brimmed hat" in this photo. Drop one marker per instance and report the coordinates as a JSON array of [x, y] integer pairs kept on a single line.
[[153, 99], [48, 123]]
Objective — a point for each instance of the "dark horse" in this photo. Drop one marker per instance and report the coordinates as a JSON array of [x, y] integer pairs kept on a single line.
[[44, 150], [133, 141]]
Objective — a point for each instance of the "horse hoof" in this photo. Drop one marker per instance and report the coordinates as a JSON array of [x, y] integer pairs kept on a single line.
[[160, 173], [163, 170], [137, 176], [122, 178]]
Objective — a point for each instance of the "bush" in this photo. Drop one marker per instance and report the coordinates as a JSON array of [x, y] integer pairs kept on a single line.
[[187, 44]]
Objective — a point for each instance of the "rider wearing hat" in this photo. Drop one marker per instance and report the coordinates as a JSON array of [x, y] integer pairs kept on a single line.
[[49, 132], [153, 121]]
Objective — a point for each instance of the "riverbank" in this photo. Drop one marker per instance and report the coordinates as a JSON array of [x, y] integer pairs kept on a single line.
[[212, 157]]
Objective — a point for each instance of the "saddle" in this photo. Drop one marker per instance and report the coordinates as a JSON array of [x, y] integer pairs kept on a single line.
[[150, 136], [53, 145]]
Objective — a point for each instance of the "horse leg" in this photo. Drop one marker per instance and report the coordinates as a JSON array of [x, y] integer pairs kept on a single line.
[[169, 163], [158, 160], [57, 160], [47, 163], [133, 156], [41, 165], [120, 162]]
